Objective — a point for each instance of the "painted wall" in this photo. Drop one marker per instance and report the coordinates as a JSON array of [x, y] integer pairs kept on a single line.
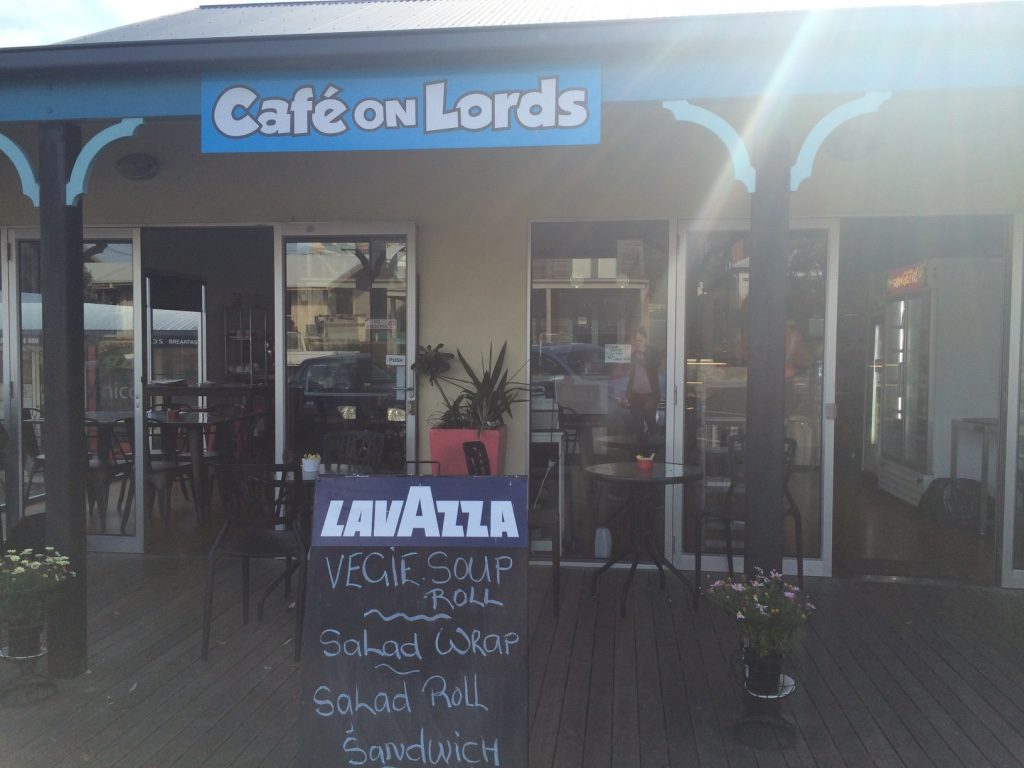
[[922, 153]]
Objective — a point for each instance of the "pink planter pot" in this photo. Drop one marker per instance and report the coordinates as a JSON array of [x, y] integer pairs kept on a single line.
[[446, 448]]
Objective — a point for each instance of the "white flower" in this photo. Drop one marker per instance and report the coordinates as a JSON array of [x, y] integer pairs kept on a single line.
[[34, 566], [18, 570], [740, 616]]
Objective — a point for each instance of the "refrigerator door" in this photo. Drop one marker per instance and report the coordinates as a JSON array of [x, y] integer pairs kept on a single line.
[[905, 381]]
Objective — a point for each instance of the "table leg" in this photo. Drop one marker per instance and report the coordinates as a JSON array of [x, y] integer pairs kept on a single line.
[[611, 560], [597, 574], [678, 574], [656, 560], [650, 507], [636, 533], [195, 449], [983, 485]]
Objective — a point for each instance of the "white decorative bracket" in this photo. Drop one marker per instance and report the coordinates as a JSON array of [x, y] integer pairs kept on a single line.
[[801, 170], [83, 165], [743, 171], [29, 185]]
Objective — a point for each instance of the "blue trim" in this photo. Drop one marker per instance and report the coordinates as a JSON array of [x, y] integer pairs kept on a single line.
[[83, 165], [804, 164], [105, 98], [29, 185], [686, 112]]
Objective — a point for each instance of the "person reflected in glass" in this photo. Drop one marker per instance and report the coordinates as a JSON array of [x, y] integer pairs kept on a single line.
[[641, 396]]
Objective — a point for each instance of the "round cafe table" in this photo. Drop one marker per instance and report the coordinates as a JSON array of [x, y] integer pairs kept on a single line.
[[643, 485]]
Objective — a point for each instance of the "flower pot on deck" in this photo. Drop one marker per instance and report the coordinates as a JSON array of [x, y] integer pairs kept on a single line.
[[762, 675], [25, 642]]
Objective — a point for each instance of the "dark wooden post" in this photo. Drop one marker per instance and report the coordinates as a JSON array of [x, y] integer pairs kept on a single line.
[[60, 246], [766, 375]]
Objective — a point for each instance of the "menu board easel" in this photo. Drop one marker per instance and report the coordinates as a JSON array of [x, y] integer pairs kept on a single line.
[[414, 644]]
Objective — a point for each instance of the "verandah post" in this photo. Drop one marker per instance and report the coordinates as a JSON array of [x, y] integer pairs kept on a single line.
[[60, 246], [766, 379]]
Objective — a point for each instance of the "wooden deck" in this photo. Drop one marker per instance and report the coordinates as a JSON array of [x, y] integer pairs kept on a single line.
[[890, 675]]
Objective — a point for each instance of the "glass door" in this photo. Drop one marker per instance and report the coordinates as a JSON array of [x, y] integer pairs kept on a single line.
[[110, 265], [710, 419], [922, 302], [347, 308], [600, 371]]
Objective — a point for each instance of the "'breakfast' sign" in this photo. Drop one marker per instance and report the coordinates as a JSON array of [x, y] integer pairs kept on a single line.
[[325, 112]]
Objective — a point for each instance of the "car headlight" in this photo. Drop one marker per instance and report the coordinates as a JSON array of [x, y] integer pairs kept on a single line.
[[396, 414], [347, 412]]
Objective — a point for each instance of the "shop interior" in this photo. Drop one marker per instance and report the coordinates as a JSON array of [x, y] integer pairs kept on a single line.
[[594, 284], [206, 313], [209, 359], [919, 398], [717, 284]]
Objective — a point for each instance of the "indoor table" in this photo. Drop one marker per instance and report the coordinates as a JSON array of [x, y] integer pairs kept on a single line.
[[627, 445], [195, 425], [643, 485]]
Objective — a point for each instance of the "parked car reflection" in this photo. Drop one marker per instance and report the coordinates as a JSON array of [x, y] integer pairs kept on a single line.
[[343, 391], [577, 376]]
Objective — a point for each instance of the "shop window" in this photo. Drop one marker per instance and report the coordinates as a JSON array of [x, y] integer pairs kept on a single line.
[[594, 285]]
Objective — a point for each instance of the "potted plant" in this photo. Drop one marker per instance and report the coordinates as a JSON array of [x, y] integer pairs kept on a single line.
[[474, 407], [770, 613], [29, 580], [310, 464]]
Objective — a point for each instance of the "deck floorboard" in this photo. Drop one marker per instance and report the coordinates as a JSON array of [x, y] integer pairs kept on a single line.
[[889, 674]]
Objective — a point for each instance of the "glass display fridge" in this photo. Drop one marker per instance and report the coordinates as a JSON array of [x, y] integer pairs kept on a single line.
[[934, 356]]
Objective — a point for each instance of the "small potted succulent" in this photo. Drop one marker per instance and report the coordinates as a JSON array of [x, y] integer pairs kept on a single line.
[[310, 464]]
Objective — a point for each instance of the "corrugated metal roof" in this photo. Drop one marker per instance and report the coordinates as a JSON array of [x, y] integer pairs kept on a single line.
[[337, 17]]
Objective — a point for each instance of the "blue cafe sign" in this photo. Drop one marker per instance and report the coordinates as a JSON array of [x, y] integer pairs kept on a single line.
[[326, 112]]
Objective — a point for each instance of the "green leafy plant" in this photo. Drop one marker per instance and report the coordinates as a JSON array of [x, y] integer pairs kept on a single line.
[[769, 611], [28, 584], [432, 362], [481, 400]]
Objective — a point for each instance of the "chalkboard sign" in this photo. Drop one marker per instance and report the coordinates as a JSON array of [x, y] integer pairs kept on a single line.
[[414, 644]]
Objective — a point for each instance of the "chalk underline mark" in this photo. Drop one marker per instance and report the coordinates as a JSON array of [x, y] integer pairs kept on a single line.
[[406, 616]]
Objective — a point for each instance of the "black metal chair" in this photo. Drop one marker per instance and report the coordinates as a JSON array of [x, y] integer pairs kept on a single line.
[[4, 440], [360, 451], [733, 511], [264, 506], [32, 447], [547, 488], [544, 510], [477, 460], [107, 462], [163, 466]]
